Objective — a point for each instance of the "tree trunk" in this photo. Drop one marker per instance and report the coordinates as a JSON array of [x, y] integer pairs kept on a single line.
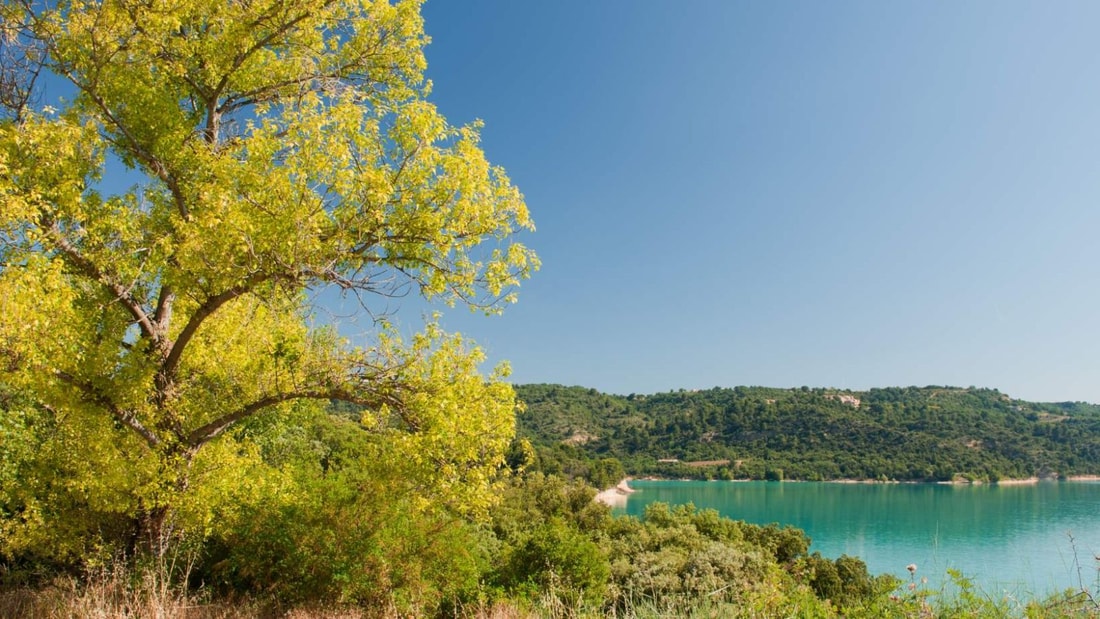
[[153, 532]]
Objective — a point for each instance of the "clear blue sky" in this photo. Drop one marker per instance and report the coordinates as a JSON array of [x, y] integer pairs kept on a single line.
[[848, 194]]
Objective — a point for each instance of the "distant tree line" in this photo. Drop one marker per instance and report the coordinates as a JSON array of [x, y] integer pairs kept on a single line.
[[904, 434]]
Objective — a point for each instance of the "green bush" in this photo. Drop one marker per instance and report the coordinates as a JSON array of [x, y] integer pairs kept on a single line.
[[677, 555], [558, 557], [341, 529]]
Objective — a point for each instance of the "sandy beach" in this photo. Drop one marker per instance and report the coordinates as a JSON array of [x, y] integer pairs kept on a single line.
[[1083, 478], [1035, 480], [1018, 482], [615, 496]]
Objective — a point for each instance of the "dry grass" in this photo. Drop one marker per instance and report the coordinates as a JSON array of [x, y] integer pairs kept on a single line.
[[108, 598], [116, 596]]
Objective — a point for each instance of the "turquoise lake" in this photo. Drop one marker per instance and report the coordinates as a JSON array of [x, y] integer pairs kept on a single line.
[[1015, 539]]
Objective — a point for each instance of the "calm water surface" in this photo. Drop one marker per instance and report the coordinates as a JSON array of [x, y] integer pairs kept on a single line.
[[1006, 538]]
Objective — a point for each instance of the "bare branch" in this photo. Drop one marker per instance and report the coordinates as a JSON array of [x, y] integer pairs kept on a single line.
[[21, 62]]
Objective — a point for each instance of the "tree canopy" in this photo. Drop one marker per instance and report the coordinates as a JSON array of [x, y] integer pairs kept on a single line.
[[284, 148]]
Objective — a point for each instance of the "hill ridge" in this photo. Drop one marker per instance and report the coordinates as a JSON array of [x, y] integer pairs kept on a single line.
[[932, 433]]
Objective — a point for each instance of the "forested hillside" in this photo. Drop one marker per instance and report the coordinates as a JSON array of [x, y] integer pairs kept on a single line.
[[906, 434]]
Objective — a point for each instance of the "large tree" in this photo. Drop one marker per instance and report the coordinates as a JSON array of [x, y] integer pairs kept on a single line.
[[282, 148]]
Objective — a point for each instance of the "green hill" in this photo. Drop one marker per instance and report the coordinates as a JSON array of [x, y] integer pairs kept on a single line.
[[905, 434]]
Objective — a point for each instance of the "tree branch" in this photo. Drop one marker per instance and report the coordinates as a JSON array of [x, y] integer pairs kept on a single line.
[[92, 394], [88, 268], [132, 145], [239, 61], [212, 304], [204, 434], [162, 318]]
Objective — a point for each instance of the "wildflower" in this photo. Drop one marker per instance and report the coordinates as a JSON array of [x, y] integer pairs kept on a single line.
[[912, 567]]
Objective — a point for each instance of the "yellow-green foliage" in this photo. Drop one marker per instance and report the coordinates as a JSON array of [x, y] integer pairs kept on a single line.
[[344, 527], [283, 148]]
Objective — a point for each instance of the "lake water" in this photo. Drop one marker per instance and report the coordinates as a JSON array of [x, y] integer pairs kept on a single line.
[[1019, 539]]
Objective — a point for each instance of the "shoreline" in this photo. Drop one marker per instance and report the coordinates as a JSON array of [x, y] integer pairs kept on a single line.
[[619, 491], [616, 495]]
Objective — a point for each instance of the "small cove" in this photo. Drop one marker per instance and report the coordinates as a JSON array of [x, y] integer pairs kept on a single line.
[[1020, 540]]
